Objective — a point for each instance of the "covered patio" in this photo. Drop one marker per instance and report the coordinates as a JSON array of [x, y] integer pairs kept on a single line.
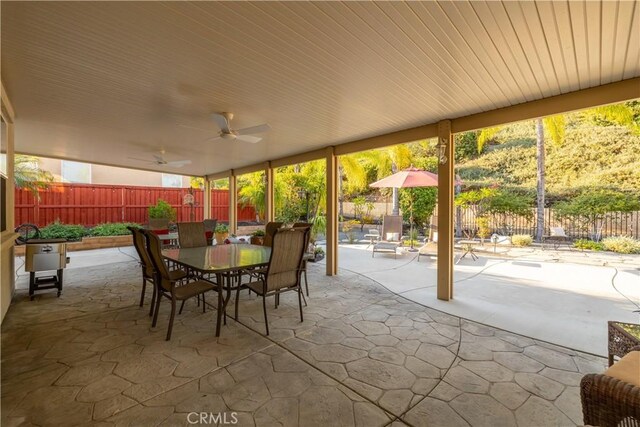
[[363, 356], [111, 83]]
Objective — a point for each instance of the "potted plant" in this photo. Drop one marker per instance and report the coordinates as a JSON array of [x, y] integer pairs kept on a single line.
[[160, 215], [257, 237], [318, 254], [222, 231]]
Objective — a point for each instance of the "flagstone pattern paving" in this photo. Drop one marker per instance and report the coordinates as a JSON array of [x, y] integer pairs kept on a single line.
[[363, 356]]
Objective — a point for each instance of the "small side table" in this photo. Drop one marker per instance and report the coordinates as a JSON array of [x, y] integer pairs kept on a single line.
[[622, 338], [468, 246]]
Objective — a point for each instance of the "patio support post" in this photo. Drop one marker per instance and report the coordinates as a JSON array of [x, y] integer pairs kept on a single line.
[[332, 211], [270, 211], [206, 205], [445, 210], [233, 203]]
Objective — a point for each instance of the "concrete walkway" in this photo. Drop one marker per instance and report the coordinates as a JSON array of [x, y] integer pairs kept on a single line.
[[563, 297]]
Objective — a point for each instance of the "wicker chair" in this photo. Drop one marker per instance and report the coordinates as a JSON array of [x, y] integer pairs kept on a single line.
[[167, 287], [608, 401], [148, 271], [283, 271], [269, 230], [191, 234]]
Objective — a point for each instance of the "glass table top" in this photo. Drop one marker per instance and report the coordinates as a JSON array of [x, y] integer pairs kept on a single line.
[[220, 258]]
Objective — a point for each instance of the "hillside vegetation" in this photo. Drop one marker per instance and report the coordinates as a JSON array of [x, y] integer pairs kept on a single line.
[[590, 156]]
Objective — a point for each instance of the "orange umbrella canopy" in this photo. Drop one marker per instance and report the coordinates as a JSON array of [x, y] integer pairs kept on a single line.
[[407, 178]]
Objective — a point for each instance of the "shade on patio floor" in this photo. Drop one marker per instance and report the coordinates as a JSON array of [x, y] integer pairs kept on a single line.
[[363, 356]]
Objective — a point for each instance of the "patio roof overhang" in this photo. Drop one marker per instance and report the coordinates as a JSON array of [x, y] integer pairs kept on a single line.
[[101, 82]]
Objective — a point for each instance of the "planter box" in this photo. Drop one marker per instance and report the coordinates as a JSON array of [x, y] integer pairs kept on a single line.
[[90, 243]]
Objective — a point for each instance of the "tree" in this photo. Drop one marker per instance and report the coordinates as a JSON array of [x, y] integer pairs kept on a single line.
[[388, 161], [423, 200], [352, 177], [591, 207], [28, 175]]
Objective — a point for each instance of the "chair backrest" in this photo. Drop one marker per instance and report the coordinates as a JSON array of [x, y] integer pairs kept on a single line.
[[269, 230], [286, 258], [392, 224], [373, 231], [140, 244], [210, 225], [557, 231], [305, 226], [154, 248], [191, 234]]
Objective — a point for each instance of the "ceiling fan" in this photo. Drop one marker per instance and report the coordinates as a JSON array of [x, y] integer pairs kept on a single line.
[[159, 160], [223, 120]]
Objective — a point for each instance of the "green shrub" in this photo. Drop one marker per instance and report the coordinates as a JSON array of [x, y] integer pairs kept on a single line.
[[588, 244], [113, 229], [521, 240], [162, 209], [483, 227], [622, 245], [57, 230], [350, 228]]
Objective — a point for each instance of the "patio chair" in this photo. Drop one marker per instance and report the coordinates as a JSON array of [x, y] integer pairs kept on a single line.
[[168, 287], [269, 230], [391, 234], [148, 271], [191, 234], [557, 237], [612, 399], [306, 226], [283, 272], [210, 229]]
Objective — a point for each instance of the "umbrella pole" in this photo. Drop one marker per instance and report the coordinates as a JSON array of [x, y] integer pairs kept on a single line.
[[411, 249]]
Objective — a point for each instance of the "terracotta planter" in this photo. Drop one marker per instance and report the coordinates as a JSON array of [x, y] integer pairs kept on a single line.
[[220, 237], [257, 240]]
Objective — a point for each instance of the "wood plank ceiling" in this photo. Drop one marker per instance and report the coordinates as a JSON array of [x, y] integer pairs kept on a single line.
[[104, 81]]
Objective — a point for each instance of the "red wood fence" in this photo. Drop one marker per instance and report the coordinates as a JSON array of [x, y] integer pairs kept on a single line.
[[94, 204]]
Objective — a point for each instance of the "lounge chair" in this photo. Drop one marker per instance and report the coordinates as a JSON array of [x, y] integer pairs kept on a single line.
[[391, 235], [429, 249]]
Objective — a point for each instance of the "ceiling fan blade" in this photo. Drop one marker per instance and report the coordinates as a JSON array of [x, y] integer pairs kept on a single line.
[[248, 138], [221, 121], [213, 138], [158, 158], [178, 163], [253, 129], [141, 160]]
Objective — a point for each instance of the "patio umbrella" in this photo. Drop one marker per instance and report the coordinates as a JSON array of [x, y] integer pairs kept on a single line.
[[408, 178]]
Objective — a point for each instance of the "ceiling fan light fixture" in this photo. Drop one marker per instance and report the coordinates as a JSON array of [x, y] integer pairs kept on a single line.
[[225, 135]]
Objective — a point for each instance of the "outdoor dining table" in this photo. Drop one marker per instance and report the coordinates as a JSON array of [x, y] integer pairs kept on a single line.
[[223, 261]]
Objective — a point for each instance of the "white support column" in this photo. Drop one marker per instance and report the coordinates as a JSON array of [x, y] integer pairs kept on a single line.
[[332, 211], [233, 203], [445, 210]]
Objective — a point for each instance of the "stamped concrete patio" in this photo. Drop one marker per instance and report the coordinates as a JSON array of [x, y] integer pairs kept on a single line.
[[363, 356]]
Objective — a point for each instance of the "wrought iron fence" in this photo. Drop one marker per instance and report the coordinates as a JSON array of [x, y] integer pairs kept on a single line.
[[613, 224]]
